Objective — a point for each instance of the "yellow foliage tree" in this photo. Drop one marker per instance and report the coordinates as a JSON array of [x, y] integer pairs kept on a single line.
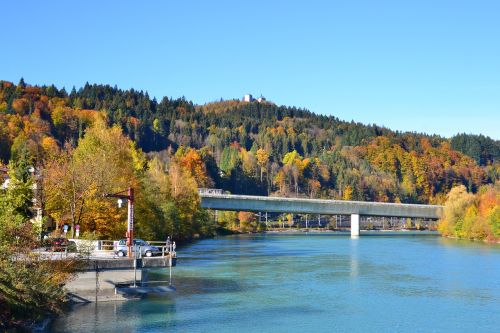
[[472, 216], [105, 161], [262, 161], [347, 193]]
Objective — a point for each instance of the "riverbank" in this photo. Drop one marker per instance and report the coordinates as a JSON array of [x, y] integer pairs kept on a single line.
[[473, 239]]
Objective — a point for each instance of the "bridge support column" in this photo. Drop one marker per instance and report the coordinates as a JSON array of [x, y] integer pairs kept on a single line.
[[354, 225]]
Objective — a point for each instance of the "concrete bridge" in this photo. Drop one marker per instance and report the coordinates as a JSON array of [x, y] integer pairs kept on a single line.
[[214, 199]]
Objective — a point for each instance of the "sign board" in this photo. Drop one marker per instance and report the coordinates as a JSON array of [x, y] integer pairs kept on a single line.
[[130, 217]]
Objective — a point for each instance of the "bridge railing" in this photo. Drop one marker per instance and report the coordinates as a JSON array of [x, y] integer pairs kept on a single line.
[[212, 191]]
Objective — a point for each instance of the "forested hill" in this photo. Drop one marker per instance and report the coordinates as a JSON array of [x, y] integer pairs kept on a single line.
[[254, 148]]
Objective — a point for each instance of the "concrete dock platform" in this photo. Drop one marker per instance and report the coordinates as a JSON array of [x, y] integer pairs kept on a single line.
[[97, 279]]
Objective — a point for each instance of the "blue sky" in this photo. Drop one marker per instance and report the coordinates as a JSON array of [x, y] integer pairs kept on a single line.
[[426, 66]]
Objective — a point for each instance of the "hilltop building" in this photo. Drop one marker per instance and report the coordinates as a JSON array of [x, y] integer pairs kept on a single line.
[[249, 98]]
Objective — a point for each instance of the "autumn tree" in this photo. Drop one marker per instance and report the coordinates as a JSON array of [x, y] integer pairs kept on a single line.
[[228, 220], [192, 162], [105, 161], [472, 216], [248, 222], [192, 221], [262, 160]]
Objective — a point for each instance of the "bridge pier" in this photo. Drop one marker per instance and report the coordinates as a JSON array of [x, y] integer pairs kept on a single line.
[[354, 225]]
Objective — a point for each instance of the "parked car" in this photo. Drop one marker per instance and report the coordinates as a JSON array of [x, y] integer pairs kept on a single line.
[[60, 244], [121, 248]]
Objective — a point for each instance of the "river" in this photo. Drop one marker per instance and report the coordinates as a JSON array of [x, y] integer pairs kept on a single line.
[[315, 282]]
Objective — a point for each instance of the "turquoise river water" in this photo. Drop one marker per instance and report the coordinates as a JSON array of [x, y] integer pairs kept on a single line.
[[315, 282]]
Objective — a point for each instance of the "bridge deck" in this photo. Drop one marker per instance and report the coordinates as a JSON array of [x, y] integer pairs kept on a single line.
[[317, 206]]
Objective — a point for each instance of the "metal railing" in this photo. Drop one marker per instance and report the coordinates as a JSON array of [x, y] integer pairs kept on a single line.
[[102, 248], [165, 249], [211, 191]]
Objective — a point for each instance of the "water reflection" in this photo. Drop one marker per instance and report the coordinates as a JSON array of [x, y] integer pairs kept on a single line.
[[354, 257], [484, 247]]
